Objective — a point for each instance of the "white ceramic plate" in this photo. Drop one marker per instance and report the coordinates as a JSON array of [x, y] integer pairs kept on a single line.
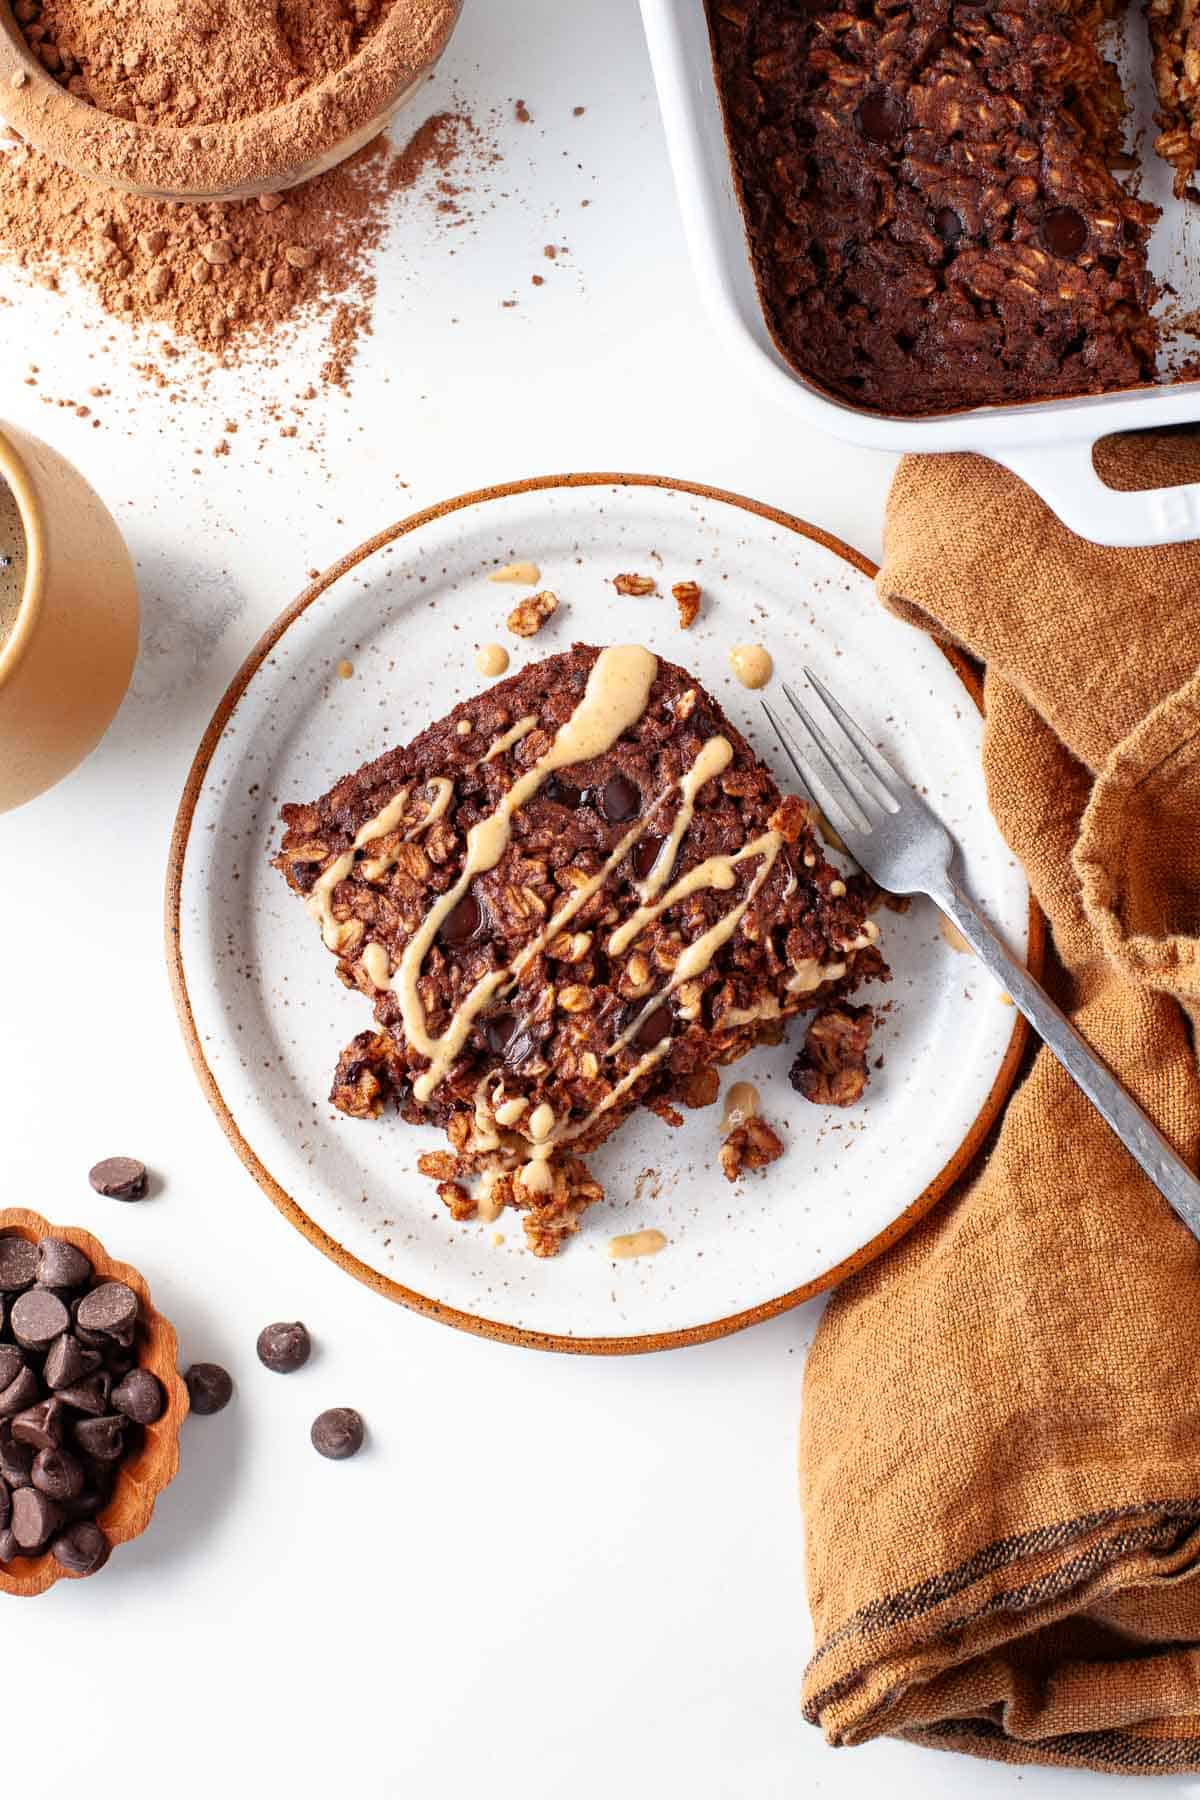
[[266, 1017]]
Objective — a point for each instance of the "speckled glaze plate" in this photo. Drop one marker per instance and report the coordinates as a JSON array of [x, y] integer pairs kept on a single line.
[[265, 1017]]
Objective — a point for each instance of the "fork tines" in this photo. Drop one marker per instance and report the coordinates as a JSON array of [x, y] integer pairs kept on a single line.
[[837, 762]]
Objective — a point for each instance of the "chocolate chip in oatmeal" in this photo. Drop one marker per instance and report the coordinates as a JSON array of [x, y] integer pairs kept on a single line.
[[1064, 231], [463, 923]]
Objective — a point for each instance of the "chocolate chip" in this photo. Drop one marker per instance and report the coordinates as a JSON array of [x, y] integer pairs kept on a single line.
[[140, 1397], [97, 1492], [620, 800], [18, 1263], [110, 1309], [40, 1425], [102, 1438], [645, 855], [284, 1347], [881, 117], [89, 1395], [1064, 231], [948, 225], [16, 1460], [67, 1361], [8, 1547], [337, 1433], [38, 1317], [656, 1026], [505, 1036], [5, 1506], [34, 1517], [11, 1364], [22, 1391], [119, 1178], [57, 1473], [563, 794], [61, 1265], [209, 1386], [463, 923], [81, 1549]]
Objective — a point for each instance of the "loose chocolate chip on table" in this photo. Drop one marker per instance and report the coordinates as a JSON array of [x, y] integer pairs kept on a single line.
[[67, 1361], [81, 1549], [620, 800], [463, 923], [119, 1178], [58, 1474], [34, 1517], [110, 1308], [40, 1425], [337, 1433], [61, 1265], [1064, 231], [21, 1392], [140, 1397], [209, 1386], [11, 1364], [18, 1263], [284, 1347], [38, 1317], [89, 1395], [102, 1438]]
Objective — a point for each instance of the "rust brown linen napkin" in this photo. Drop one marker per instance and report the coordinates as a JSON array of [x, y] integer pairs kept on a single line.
[[1000, 1445]]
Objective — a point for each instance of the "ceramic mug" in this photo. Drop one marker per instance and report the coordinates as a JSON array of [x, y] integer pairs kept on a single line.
[[66, 662]]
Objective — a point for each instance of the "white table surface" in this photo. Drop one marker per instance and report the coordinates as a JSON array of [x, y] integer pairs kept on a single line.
[[549, 1575]]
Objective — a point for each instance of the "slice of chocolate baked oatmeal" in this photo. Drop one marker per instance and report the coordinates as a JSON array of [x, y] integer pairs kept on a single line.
[[575, 895]]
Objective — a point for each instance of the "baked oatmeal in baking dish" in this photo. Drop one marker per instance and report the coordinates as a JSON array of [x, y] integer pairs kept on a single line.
[[577, 894]]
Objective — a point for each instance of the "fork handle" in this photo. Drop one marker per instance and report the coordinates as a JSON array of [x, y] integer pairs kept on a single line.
[[1136, 1130]]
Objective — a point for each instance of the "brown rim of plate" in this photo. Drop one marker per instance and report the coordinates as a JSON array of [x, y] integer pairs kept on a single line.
[[140, 1480], [291, 1209]]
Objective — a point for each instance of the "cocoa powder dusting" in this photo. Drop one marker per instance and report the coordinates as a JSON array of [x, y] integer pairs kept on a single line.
[[226, 277], [195, 62]]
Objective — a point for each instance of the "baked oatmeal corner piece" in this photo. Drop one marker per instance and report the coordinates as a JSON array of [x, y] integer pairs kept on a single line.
[[831, 1069]]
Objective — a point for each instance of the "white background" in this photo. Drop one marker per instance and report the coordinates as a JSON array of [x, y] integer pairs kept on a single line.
[[547, 1576]]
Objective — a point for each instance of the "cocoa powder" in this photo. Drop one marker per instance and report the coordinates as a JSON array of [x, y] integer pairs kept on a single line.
[[226, 277], [195, 62]]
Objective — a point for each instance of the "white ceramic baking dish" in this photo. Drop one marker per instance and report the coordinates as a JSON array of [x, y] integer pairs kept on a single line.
[[1049, 444]]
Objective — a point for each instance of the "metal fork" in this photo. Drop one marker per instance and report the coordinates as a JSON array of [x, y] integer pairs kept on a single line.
[[904, 846]]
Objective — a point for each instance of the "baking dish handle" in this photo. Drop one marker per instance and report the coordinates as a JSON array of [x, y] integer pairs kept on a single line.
[[1064, 476]]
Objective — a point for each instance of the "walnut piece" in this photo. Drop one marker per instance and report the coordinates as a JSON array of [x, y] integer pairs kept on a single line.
[[750, 1146], [831, 1070], [528, 616], [635, 584], [686, 595], [361, 1081], [456, 1197]]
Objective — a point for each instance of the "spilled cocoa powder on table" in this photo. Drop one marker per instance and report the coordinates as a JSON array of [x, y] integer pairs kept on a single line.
[[195, 62], [229, 277]]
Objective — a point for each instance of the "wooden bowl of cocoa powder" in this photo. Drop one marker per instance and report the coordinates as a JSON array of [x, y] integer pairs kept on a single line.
[[243, 103]]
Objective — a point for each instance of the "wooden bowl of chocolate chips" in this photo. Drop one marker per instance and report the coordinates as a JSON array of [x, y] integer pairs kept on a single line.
[[91, 1403]]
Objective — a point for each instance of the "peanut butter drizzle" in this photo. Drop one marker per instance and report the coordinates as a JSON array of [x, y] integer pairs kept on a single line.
[[751, 664], [715, 756], [438, 806], [636, 1243], [491, 659], [527, 573], [377, 965], [716, 872], [741, 1103], [617, 691], [521, 729]]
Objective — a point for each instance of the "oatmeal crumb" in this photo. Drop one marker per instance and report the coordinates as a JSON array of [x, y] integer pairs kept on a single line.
[[530, 615], [750, 1146], [686, 595]]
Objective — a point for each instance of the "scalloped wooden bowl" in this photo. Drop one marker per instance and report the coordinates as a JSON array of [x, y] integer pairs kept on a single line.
[[140, 1480]]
